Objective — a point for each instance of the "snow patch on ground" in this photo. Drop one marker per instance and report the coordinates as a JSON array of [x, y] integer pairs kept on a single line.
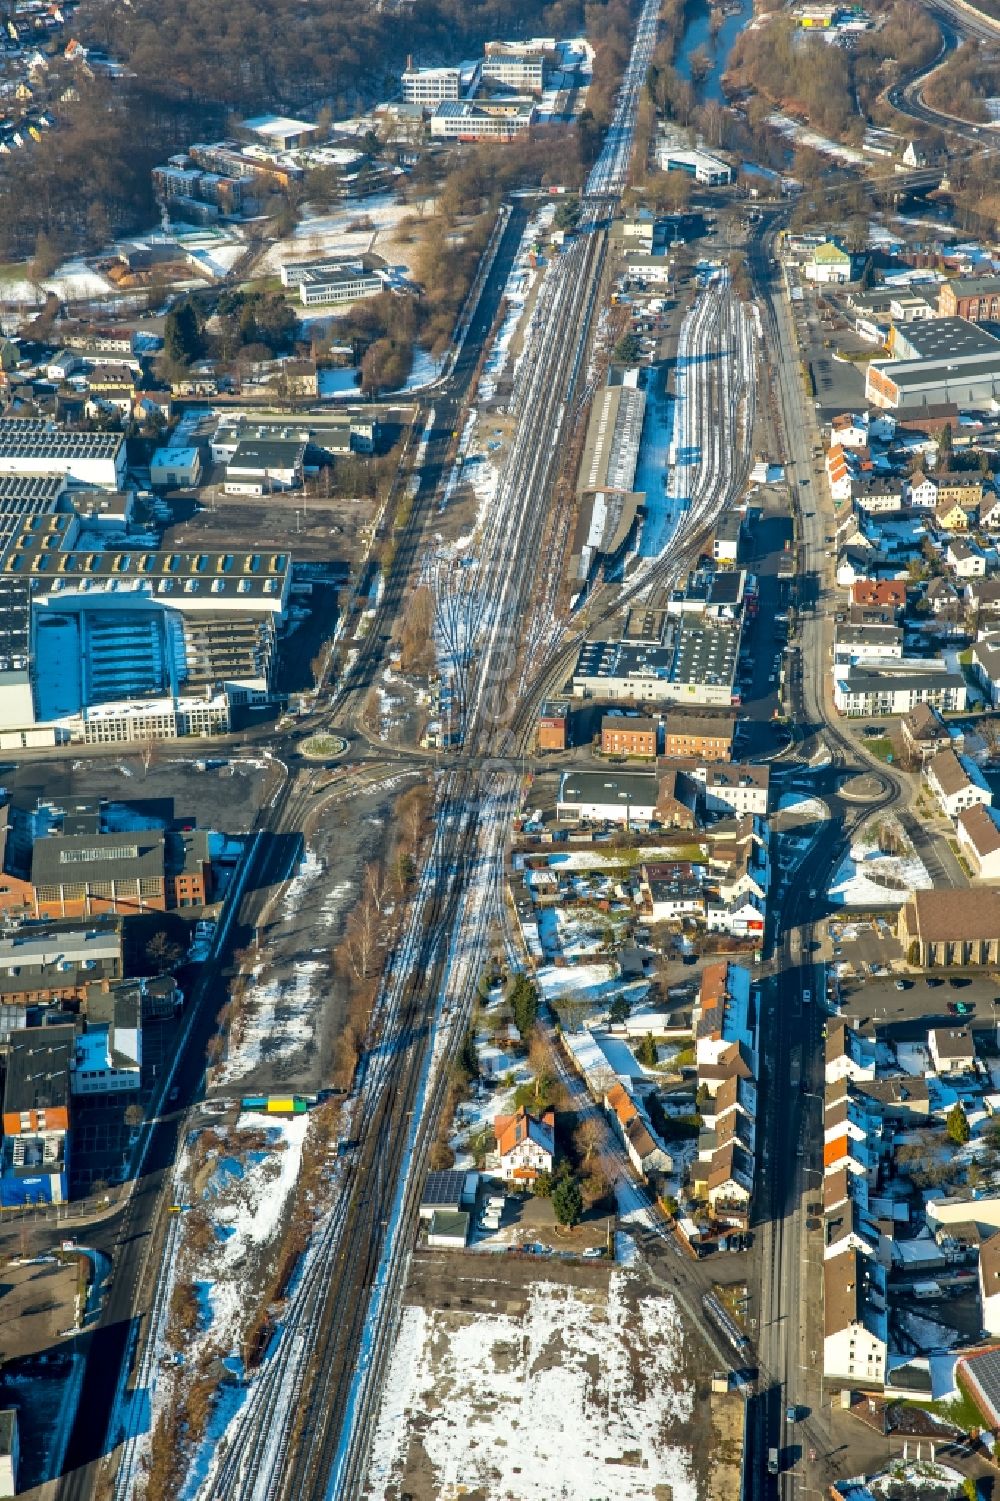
[[586, 982], [859, 879], [247, 1214], [540, 1404], [806, 807]]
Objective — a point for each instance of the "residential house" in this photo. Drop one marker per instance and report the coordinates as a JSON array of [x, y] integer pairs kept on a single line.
[[526, 1144], [644, 1151], [676, 799], [848, 430], [736, 896], [989, 1284], [729, 1184], [878, 494], [849, 1054], [978, 831], [923, 491], [734, 789], [942, 599], [989, 512], [945, 927], [965, 559], [882, 594], [723, 1015], [952, 1050], [982, 599], [855, 1343], [956, 782], [672, 890], [924, 733], [953, 515]]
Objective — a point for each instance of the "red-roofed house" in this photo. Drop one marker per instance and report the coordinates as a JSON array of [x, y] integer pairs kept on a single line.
[[881, 594], [526, 1144]]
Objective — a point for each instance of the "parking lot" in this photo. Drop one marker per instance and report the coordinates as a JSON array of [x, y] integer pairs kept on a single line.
[[926, 1001]]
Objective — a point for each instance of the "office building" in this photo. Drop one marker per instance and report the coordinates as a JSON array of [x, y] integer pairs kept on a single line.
[[482, 119], [429, 86]]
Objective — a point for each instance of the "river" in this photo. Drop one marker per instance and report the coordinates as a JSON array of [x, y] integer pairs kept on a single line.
[[698, 34]]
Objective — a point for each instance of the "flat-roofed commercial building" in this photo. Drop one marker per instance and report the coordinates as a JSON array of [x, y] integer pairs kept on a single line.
[[697, 664], [520, 66], [324, 287], [938, 360], [431, 85], [37, 446], [954, 339], [130, 643], [625, 797], [483, 119], [262, 466]]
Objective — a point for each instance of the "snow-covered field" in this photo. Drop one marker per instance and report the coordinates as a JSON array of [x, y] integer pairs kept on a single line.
[[575, 1396], [857, 880], [599, 983], [279, 1012], [327, 232]]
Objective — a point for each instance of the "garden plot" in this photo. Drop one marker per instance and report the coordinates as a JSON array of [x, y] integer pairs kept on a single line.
[[597, 984], [575, 1383]]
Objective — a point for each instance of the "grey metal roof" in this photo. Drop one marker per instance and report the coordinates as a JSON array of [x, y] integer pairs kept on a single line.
[[65, 860]]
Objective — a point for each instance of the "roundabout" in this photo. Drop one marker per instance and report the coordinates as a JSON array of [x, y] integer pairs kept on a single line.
[[322, 747]]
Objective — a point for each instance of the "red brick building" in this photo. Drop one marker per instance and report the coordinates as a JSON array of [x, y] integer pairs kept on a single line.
[[624, 735]]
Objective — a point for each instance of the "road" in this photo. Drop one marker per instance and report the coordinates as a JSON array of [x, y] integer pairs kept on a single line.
[[958, 22]]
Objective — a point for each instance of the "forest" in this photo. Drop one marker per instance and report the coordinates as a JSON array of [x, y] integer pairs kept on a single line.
[[836, 90], [196, 64]]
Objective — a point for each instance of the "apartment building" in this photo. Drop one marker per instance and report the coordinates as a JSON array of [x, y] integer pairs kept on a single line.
[[956, 782], [553, 725], [974, 297], [855, 1342], [699, 737], [625, 735]]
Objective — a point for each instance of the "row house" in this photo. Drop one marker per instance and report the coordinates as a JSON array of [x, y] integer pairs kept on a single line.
[[644, 1149]]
